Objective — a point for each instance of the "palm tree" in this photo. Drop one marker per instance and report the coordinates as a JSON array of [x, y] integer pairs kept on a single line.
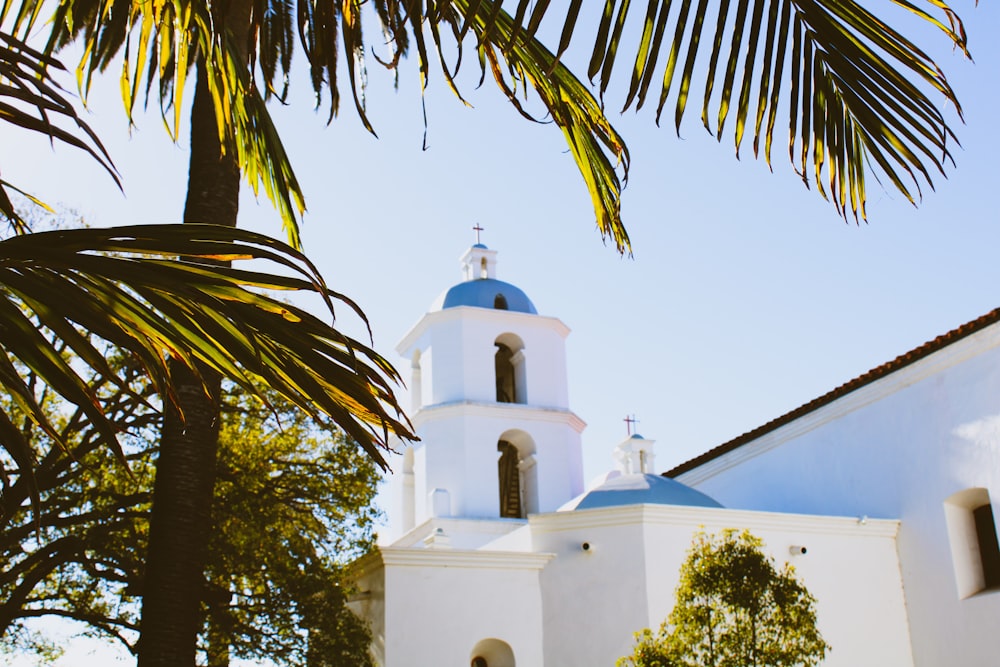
[[164, 294], [857, 95], [160, 293]]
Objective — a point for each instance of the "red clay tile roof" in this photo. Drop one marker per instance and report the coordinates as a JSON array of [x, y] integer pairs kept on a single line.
[[877, 373]]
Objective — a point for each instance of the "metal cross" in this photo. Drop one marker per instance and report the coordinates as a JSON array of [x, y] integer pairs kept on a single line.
[[630, 421], [478, 229]]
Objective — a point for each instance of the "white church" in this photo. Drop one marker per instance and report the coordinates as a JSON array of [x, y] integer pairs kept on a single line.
[[879, 493]]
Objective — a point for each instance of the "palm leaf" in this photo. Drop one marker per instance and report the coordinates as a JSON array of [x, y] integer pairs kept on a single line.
[[886, 122], [861, 99], [31, 100], [146, 289], [159, 42], [597, 148]]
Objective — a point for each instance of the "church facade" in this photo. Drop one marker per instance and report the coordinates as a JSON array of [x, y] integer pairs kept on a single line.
[[916, 440], [499, 556]]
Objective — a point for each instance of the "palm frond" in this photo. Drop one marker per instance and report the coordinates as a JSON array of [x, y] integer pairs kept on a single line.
[[147, 290], [596, 146], [31, 99], [159, 43], [859, 94]]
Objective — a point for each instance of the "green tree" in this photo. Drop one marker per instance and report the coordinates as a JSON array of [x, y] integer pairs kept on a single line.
[[734, 608], [293, 502]]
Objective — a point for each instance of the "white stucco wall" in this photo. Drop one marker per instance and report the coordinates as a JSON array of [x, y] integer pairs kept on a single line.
[[458, 452], [460, 342], [896, 448], [436, 605], [595, 600], [555, 603]]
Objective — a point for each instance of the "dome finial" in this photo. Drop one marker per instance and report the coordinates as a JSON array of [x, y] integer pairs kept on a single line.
[[478, 229], [479, 262], [635, 454]]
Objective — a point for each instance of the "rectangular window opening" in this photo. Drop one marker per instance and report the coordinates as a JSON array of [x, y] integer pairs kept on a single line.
[[972, 534], [989, 549]]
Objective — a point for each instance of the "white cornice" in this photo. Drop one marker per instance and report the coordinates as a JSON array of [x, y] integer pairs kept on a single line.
[[513, 411], [490, 560], [459, 525], [707, 518], [948, 357], [711, 518], [483, 314]]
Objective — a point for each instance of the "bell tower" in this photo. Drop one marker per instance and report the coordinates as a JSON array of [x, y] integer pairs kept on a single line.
[[490, 403]]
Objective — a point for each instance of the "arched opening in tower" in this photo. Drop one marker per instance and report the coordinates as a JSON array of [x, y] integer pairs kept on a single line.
[[510, 481], [506, 383]]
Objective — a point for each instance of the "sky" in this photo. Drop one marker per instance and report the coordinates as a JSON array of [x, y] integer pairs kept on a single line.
[[747, 295]]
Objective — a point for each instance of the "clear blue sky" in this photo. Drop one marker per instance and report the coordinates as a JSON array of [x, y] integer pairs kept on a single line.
[[747, 295]]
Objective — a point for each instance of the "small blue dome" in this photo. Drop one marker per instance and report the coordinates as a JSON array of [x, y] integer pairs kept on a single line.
[[485, 293], [638, 489]]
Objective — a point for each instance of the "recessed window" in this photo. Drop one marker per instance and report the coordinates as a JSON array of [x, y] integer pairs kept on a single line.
[[975, 551], [517, 475], [989, 550], [510, 369], [505, 374], [510, 481], [500, 302]]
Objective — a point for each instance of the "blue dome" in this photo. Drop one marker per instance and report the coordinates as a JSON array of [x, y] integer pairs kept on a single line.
[[640, 489], [485, 293]]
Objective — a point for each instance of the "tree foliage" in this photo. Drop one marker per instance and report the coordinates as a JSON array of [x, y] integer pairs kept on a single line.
[[293, 503], [32, 99], [858, 96], [734, 608], [144, 289]]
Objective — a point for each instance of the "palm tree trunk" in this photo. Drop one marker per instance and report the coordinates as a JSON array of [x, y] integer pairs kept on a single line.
[[180, 521]]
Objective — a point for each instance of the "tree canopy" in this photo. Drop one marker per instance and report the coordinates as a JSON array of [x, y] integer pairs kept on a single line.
[[734, 608], [293, 504]]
